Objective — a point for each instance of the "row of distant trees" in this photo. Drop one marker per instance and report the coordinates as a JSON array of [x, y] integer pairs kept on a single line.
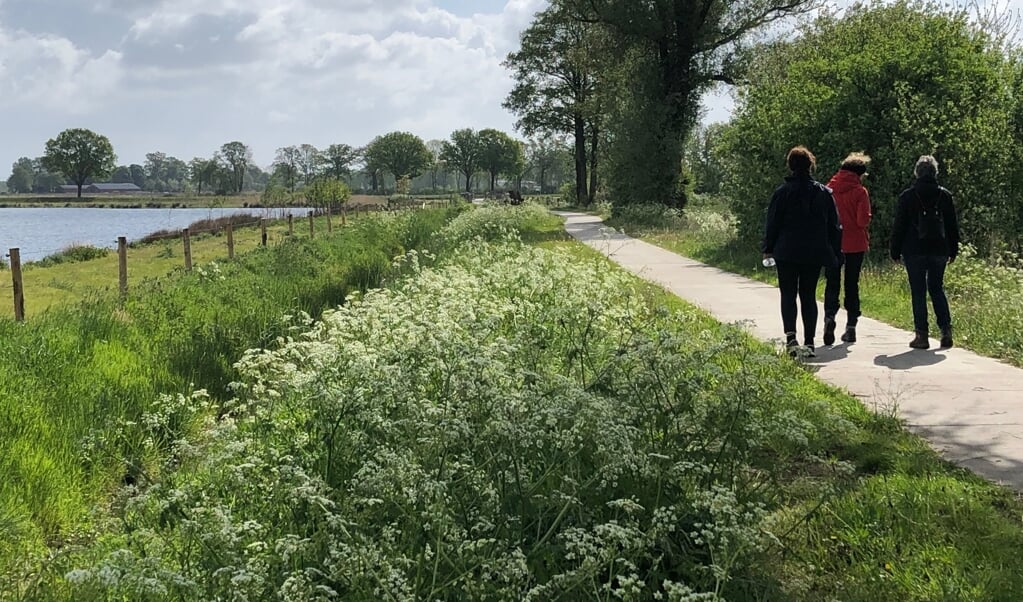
[[470, 160]]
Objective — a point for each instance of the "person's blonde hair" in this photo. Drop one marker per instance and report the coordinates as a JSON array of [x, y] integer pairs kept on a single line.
[[856, 163]]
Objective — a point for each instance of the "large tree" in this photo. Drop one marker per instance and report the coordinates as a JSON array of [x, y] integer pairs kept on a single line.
[[557, 74], [155, 171], [338, 160], [286, 166], [897, 81], [22, 176], [463, 152], [79, 154], [500, 154], [544, 155], [237, 156], [202, 171], [310, 161], [669, 53], [399, 153]]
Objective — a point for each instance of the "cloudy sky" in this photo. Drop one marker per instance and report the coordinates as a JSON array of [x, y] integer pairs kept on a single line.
[[185, 76]]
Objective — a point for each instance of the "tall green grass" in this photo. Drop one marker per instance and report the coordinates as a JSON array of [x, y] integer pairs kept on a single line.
[[77, 382], [514, 423], [501, 422]]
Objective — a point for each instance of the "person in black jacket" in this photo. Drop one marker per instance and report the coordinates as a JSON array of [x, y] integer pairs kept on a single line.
[[802, 235], [925, 237]]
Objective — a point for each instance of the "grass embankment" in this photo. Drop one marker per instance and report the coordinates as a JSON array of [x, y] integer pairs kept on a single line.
[[50, 282], [528, 422], [84, 386], [983, 293]]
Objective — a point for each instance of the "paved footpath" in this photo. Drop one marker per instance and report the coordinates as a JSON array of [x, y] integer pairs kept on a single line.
[[969, 407]]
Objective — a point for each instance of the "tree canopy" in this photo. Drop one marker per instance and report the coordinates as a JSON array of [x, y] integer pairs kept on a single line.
[[462, 152], [895, 81], [79, 154], [399, 153]]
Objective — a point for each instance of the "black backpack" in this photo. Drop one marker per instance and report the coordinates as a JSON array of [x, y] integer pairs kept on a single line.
[[931, 224]]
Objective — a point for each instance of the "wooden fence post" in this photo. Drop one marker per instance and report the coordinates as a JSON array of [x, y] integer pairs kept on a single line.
[[311, 233], [262, 227], [291, 225], [344, 215], [330, 225], [188, 249], [122, 265], [19, 291], [230, 241]]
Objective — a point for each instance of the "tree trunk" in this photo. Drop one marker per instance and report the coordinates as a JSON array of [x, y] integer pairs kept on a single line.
[[79, 189], [493, 179], [594, 143], [468, 181], [580, 160]]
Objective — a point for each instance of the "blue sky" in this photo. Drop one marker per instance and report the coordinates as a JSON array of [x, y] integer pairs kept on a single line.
[[185, 76]]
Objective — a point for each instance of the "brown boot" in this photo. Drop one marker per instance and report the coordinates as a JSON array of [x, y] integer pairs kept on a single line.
[[920, 341], [946, 338]]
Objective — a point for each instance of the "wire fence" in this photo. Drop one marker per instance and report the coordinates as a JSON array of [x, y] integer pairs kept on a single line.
[[272, 232]]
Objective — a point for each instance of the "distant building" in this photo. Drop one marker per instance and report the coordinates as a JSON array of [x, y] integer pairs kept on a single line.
[[103, 188]]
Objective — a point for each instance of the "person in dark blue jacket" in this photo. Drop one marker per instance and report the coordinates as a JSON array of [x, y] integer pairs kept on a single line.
[[802, 235], [925, 237]]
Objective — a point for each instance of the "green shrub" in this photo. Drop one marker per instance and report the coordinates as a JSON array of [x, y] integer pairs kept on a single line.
[[72, 254]]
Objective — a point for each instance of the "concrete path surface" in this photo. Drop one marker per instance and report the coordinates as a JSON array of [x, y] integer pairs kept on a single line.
[[969, 407]]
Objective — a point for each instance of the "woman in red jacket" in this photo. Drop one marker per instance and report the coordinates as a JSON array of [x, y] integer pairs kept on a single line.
[[853, 203]]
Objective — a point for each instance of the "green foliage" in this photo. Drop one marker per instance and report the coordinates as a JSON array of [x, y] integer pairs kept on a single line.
[[666, 54], [81, 386], [463, 153], [516, 424], [72, 254], [22, 176], [79, 154], [896, 81], [499, 154], [327, 192], [400, 153]]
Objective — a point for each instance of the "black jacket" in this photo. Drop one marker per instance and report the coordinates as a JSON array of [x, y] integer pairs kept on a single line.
[[905, 237], [802, 223]]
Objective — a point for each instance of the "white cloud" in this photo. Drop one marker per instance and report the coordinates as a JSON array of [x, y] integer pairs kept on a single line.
[[51, 72], [184, 76]]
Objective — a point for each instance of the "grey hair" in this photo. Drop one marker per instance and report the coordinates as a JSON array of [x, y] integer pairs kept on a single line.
[[926, 165]]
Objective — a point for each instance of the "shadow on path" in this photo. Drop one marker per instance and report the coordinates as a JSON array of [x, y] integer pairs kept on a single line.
[[914, 358]]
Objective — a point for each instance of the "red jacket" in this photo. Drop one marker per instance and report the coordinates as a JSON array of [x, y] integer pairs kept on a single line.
[[853, 202]]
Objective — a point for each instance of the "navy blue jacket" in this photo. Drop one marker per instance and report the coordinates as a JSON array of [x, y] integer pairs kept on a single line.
[[802, 223], [905, 237]]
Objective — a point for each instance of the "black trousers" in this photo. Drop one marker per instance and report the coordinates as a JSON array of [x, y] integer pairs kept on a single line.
[[833, 287], [799, 280]]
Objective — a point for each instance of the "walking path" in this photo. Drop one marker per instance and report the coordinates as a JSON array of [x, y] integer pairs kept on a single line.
[[969, 407]]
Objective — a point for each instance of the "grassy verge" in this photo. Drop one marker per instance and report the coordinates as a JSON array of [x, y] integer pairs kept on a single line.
[[511, 421], [89, 390], [50, 283], [982, 293]]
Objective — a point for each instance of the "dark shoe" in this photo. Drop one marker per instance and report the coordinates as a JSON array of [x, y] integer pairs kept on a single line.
[[849, 336], [920, 341], [809, 351], [829, 331], [946, 338], [791, 344]]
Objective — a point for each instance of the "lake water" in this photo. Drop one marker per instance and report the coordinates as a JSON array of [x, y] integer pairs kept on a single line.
[[42, 231]]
